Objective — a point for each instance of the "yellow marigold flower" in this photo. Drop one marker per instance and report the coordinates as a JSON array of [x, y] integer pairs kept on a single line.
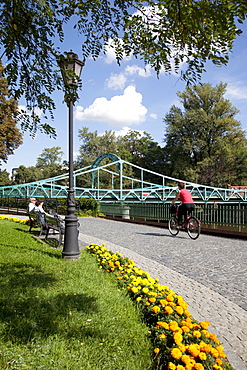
[[170, 298], [214, 338], [204, 324], [156, 309], [179, 310], [162, 336], [163, 302], [197, 334], [152, 299], [173, 325], [219, 361], [214, 352], [171, 366], [193, 350], [134, 290], [147, 303], [187, 313], [188, 367], [185, 359], [198, 366], [202, 356], [217, 367], [168, 310], [185, 329], [182, 347], [206, 333], [178, 338], [138, 299], [176, 353], [180, 367], [145, 290], [156, 350], [163, 325]]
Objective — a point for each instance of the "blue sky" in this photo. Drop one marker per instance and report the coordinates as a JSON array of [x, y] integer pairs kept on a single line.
[[127, 97]]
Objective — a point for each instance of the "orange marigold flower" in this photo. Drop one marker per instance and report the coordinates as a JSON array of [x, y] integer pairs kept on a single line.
[[204, 324], [182, 347], [197, 334], [156, 309], [176, 353], [163, 325], [179, 310], [168, 310], [198, 366], [156, 350], [202, 356], [162, 336], [219, 361], [185, 359], [163, 302], [178, 338], [171, 366], [173, 325], [180, 367], [185, 329], [170, 298], [152, 299]]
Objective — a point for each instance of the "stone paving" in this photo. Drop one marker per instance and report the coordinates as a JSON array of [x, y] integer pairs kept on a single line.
[[210, 273]]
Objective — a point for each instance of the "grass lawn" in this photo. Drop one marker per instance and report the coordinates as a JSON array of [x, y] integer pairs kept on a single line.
[[58, 314]]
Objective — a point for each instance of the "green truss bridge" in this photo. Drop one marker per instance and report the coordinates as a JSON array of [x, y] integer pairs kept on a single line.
[[127, 183]]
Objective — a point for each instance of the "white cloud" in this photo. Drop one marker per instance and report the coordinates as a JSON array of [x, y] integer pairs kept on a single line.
[[142, 72], [116, 81], [236, 91], [110, 53], [125, 130], [153, 115], [120, 110], [37, 111]]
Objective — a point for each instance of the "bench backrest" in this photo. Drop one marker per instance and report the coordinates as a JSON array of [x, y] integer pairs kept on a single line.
[[52, 222]]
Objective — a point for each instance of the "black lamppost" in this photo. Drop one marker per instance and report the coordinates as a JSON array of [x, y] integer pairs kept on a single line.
[[71, 68]]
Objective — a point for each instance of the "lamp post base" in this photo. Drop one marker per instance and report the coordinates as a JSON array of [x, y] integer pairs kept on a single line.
[[71, 248]]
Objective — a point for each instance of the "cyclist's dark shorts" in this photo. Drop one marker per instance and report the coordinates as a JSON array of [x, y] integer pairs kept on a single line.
[[186, 207]]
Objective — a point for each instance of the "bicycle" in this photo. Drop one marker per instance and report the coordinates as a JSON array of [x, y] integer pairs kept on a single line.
[[191, 225]]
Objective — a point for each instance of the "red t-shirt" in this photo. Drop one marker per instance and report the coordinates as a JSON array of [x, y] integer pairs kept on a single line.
[[185, 196]]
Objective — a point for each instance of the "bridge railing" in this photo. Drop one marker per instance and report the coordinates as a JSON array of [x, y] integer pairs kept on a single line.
[[232, 215]]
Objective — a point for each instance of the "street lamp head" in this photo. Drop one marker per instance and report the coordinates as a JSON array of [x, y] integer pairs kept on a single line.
[[71, 68]]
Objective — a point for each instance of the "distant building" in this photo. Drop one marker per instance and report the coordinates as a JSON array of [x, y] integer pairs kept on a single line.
[[14, 173]]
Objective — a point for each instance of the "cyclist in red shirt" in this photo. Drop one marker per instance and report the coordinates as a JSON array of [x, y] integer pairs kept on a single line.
[[185, 197]]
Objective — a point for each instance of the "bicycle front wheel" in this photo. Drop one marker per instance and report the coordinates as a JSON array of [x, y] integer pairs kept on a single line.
[[173, 226], [193, 228]]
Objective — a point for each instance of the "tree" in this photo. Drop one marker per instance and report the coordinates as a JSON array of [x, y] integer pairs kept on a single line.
[[50, 156], [4, 178], [161, 33], [134, 147], [27, 174], [49, 162], [10, 135], [204, 140]]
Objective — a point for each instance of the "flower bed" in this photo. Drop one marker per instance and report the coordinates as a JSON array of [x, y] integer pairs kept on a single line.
[[15, 219], [180, 342]]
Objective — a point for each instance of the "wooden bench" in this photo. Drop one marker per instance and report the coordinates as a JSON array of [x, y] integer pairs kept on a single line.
[[35, 220], [53, 223]]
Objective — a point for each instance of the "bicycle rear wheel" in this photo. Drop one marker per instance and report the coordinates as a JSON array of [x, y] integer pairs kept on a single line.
[[193, 227], [173, 226]]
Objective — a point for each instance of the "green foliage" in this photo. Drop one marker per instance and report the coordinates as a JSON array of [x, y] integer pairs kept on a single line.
[[63, 315], [163, 34], [134, 147], [4, 178], [204, 140], [10, 137]]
